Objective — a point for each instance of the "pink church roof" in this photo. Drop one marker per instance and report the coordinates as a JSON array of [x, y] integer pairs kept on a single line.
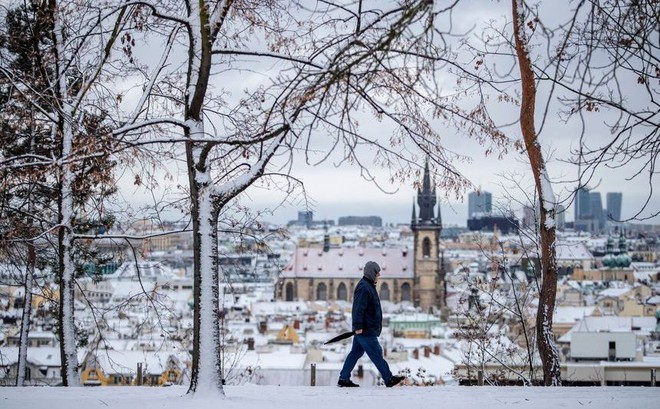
[[349, 262]]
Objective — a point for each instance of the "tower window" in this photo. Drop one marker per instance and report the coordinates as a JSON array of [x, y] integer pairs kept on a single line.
[[289, 292], [426, 247]]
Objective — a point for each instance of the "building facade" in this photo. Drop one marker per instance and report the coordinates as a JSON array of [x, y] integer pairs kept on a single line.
[[479, 202], [330, 273], [613, 202]]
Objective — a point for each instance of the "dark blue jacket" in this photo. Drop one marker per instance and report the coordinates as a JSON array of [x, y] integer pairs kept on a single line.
[[367, 313]]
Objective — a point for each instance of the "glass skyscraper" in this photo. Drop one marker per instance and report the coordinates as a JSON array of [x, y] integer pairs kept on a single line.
[[479, 202], [582, 204], [590, 214], [613, 201]]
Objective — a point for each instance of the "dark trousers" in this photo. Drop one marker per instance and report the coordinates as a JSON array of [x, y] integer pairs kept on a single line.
[[371, 346]]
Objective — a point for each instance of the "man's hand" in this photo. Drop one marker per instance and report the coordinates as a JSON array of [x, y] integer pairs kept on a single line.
[[358, 332]]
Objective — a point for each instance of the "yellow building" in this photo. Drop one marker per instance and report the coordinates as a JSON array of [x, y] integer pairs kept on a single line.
[[120, 368]]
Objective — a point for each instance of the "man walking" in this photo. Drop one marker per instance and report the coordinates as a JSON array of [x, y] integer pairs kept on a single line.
[[367, 323]]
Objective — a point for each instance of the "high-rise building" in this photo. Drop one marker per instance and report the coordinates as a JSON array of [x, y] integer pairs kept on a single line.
[[560, 216], [582, 204], [305, 218], [596, 211], [479, 202], [529, 217], [613, 201], [588, 208]]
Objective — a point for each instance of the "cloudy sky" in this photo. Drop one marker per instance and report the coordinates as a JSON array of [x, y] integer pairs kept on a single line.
[[340, 192], [334, 191]]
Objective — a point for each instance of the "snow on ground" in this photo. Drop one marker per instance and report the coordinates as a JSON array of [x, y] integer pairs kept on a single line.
[[330, 397]]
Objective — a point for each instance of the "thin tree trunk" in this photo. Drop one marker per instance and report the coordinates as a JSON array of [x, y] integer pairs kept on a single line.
[[67, 336], [547, 228], [27, 312], [68, 348]]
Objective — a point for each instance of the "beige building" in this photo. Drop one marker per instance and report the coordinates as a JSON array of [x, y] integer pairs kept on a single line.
[[627, 302], [625, 274]]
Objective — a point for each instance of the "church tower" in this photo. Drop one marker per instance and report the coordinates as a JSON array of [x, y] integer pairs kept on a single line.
[[429, 286]]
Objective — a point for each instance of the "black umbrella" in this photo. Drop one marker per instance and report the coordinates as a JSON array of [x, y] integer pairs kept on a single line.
[[340, 337]]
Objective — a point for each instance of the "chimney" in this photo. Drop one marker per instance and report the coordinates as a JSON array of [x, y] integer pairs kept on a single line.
[[427, 352], [250, 344], [436, 349], [416, 353]]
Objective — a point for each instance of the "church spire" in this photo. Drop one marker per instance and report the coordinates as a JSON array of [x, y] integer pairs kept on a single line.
[[439, 219], [414, 214], [426, 199]]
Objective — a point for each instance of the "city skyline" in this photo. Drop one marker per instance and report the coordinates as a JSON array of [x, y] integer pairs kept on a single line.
[[449, 220]]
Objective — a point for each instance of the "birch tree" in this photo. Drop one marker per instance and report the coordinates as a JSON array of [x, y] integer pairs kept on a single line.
[[604, 67]]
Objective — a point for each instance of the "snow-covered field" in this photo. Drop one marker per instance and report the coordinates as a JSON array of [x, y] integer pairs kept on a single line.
[[297, 397]]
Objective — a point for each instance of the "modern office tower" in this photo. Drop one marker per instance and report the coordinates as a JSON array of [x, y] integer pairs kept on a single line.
[[613, 201], [597, 214], [582, 204], [560, 216], [479, 202], [529, 217], [305, 218]]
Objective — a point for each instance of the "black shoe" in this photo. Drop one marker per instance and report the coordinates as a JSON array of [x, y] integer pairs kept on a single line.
[[395, 380], [347, 383]]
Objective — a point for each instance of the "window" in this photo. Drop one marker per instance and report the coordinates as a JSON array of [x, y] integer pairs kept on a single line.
[[426, 247], [385, 292], [288, 296], [405, 292], [342, 293], [321, 292]]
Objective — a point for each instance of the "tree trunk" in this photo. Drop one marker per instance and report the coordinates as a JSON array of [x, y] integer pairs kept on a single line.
[[206, 346], [68, 347], [206, 363], [27, 312], [66, 332], [547, 228]]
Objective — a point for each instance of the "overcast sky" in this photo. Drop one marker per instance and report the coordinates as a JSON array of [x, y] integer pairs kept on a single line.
[[340, 191]]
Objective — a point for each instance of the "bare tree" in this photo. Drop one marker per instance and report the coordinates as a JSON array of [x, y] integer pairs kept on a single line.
[[325, 70], [603, 67], [67, 50], [546, 199]]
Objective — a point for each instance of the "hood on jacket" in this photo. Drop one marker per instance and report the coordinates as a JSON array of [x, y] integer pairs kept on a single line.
[[371, 269]]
